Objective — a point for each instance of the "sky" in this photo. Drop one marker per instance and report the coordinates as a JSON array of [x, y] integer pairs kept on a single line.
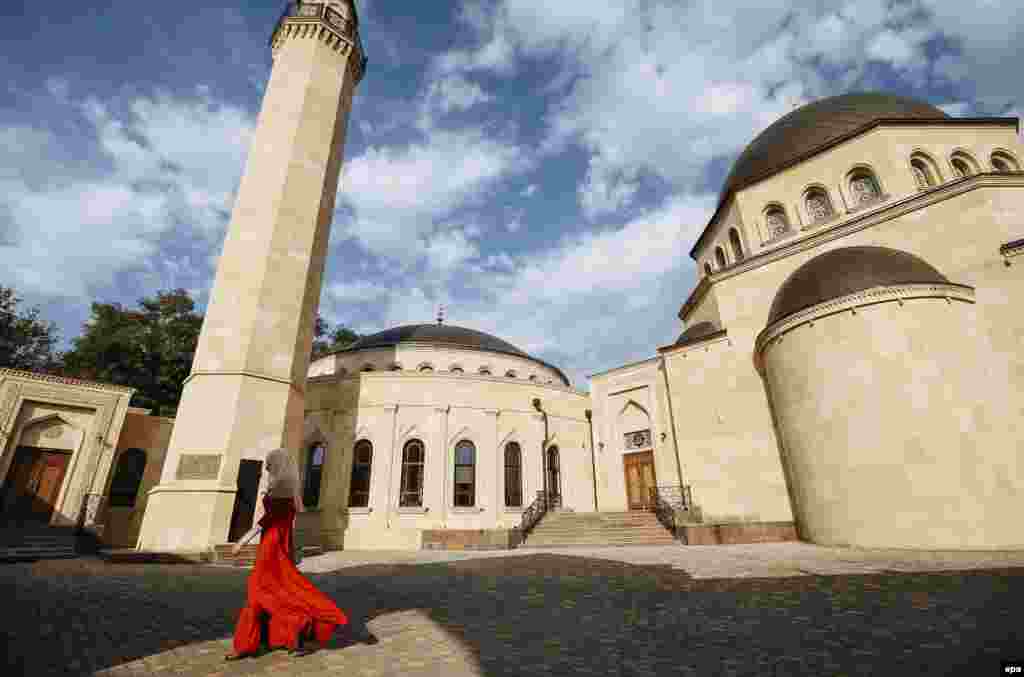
[[540, 168]]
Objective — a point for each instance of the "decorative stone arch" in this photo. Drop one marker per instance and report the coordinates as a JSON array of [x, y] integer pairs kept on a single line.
[[45, 423], [634, 419], [395, 366], [924, 168], [367, 367], [963, 164], [739, 250], [456, 369], [532, 377], [776, 220], [361, 473], [413, 431], [511, 373], [863, 186], [720, 258], [817, 204], [363, 432], [1003, 161], [465, 433], [484, 370], [425, 367]]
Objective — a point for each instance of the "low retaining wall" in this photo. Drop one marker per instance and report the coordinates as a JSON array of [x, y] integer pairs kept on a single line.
[[471, 539], [737, 532]]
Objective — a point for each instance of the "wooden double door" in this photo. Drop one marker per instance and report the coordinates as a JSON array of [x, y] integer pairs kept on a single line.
[[33, 484], [640, 479]]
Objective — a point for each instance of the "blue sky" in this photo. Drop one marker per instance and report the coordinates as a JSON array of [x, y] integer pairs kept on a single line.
[[540, 168]]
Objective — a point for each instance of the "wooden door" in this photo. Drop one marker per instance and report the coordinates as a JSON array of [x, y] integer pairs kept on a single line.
[[33, 484], [640, 479], [245, 499]]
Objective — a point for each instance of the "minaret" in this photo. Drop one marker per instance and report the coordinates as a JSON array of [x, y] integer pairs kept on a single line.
[[245, 393]]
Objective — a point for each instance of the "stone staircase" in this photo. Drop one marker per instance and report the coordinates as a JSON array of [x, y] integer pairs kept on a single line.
[[567, 529], [247, 556], [25, 543]]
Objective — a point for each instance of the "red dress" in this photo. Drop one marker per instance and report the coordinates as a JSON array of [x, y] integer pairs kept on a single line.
[[278, 589]]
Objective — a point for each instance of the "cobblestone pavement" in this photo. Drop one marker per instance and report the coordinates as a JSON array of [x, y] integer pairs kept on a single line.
[[608, 611]]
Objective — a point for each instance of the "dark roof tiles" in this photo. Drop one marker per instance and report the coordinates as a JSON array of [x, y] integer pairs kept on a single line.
[[845, 271]]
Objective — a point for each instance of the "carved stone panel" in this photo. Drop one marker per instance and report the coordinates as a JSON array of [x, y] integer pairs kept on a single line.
[[198, 467]]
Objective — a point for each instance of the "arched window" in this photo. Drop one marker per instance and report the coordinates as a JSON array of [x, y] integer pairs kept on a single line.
[[776, 220], [720, 258], [465, 474], [127, 478], [554, 478], [425, 368], [362, 464], [926, 174], [314, 474], [511, 373], [1004, 163], [411, 495], [818, 205], [455, 369], [367, 367], [484, 371], [864, 188], [707, 268], [963, 164], [737, 246], [513, 475], [395, 366], [533, 377]]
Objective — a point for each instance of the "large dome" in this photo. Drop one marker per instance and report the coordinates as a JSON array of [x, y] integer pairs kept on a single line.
[[816, 125], [847, 271], [444, 335]]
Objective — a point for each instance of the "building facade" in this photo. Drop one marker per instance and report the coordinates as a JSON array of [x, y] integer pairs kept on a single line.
[[850, 373]]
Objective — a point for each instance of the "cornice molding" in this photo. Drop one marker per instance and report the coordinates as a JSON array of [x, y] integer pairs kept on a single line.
[[873, 296], [322, 22], [6, 372], [854, 224]]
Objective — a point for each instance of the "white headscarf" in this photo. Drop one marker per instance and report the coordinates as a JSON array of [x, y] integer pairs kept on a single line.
[[283, 476]]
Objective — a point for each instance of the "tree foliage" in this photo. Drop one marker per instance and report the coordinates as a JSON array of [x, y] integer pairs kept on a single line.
[[26, 342], [327, 340], [150, 348]]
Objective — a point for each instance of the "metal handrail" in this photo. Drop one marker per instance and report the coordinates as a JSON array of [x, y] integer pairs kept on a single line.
[[666, 500], [533, 513]]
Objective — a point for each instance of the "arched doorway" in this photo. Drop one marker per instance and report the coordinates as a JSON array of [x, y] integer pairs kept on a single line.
[[554, 478]]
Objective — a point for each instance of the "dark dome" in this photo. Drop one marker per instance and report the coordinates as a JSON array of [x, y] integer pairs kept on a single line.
[[816, 125], [444, 335], [846, 271], [698, 332]]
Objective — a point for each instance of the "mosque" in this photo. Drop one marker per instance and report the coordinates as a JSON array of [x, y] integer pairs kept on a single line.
[[849, 369]]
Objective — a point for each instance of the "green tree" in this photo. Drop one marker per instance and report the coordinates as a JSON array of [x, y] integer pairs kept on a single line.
[[327, 340], [150, 349], [26, 341]]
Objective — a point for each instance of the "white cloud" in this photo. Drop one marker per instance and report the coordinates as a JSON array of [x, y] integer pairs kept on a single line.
[[398, 194], [175, 164]]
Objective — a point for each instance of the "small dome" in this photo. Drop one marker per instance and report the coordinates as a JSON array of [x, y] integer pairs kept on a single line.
[[847, 271], [816, 125], [698, 332]]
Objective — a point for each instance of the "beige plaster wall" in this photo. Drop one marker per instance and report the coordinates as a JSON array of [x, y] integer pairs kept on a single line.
[[622, 399], [893, 423], [390, 408], [957, 228]]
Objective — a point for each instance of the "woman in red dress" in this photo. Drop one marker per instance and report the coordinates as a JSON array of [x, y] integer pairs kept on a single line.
[[279, 596]]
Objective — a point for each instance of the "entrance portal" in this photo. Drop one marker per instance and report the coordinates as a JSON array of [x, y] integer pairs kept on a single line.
[[640, 480], [33, 483], [245, 499]]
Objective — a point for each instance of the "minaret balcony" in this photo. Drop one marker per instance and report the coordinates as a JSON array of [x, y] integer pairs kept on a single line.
[[322, 21]]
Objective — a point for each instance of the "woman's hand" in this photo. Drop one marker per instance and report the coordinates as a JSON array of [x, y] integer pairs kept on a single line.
[[236, 548]]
